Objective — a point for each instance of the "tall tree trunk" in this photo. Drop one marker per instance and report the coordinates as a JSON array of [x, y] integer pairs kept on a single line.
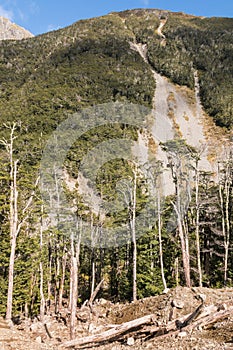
[[183, 237], [61, 289], [177, 160], [11, 280], [92, 273], [93, 267], [224, 195], [185, 254], [176, 266], [13, 229], [75, 252], [160, 242], [184, 248], [15, 224], [57, 277], [49, 282], [133, 232], [42, 298], [74, 291], [197, 204]]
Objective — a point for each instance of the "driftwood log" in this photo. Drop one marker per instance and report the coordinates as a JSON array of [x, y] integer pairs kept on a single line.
[[114, 333], [147, 326]]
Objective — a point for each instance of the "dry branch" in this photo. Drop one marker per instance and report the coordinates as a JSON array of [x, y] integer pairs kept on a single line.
[[112, 333], [202, 316], [94, 294]]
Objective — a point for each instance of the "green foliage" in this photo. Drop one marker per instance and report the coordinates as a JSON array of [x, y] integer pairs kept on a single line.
[[206, 45], [47, 78], [148, 270]]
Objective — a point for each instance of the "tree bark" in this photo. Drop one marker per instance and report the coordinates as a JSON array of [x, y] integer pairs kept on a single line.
[[75, 252], [184, 248], [201, 316], [95, 292], [197, 204], [61, 288], [42, 298], [133, 232], [224, 196], [160, 242], [13, 220]]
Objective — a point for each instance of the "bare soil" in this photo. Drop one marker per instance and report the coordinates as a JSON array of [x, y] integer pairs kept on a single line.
[[33, 335]]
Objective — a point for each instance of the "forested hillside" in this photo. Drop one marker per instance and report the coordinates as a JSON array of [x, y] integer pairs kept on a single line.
[[44, 80]]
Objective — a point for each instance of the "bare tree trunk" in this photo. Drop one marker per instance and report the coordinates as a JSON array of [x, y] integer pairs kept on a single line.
[[57, 278], [49, 286], [93, 274], [74, 291], [92, 257], [11, 280], [75, 252], [224, 195], [180, 173], [42, 298], [176, 266], [160, 243], [197, 224], [185, 255], [184, 248], [13, 220], [15, 224], [133, 232], [61, 289]]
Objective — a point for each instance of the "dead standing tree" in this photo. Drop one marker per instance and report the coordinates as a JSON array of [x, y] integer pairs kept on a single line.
[[14, 221], [128, 191], [155, 173], [225, 181], [75, 252], [179, 157]]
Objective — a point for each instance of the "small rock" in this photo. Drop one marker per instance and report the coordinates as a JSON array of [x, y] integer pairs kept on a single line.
[[34, 327], [102, 301], [91, 328], [39, 340], [182, 334], [217, 325], [130, 341], [83, 316], [222, 307], [178, 304]]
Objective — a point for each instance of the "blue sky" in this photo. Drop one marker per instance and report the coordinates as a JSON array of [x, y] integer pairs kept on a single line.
[[39, 16]]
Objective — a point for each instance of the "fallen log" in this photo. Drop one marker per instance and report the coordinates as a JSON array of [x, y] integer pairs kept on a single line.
[[212, 318], [112, 333], [202, 316], [205, 322]]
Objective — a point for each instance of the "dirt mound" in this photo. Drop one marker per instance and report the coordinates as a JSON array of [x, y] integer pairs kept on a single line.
[[162, 304], [179, 301]]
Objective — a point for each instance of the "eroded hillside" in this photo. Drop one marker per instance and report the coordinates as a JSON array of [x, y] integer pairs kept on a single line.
[[175, 71]]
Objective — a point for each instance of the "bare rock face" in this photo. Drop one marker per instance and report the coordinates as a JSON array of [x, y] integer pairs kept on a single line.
[[9, 30]]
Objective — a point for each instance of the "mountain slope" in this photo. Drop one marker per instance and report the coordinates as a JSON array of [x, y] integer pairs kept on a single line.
[[11, 31], [93, 61], [125, 57], [177, 68], [94, 58]]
